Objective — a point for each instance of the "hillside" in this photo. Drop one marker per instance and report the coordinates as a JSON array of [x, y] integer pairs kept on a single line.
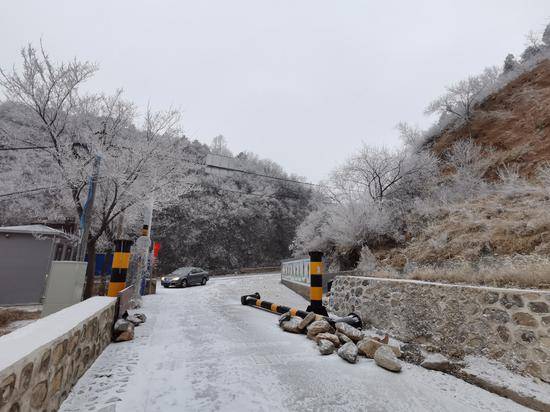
[[500, 235], [515, 122]]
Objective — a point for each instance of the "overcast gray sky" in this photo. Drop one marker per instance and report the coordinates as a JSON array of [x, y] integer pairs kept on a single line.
[[302, 82]]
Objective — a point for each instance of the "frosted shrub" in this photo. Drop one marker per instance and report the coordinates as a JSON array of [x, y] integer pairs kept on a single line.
[[311, 234], [459, 100], [386, 174], [367, 262], [468, 164], [510, 63], [512, 184]]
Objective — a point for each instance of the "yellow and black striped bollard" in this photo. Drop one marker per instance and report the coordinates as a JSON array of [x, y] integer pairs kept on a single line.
[[316, 284], [121, 261]]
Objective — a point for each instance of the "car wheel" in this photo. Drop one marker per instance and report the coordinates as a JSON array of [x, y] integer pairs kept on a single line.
[[203, 281], [166, 286], [184, 283]]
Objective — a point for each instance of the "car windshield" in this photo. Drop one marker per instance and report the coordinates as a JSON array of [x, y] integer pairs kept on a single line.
[[182, 271]]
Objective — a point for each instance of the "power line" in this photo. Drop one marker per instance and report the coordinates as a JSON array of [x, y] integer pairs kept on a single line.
[[258, 174], [268, 176], [262, 175], [187, 161], [248, 172], [6, 148], [38, 189], [257, 194]]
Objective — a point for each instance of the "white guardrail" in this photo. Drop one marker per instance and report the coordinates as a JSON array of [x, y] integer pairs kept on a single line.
[[296, 270]]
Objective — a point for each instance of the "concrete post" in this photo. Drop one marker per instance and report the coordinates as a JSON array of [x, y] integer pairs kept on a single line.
[[143, 244]]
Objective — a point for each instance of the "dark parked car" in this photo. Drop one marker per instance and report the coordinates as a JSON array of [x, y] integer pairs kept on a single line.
[[184, 277]]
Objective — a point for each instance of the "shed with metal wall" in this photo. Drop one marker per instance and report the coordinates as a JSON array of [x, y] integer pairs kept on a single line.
[[26, 253]]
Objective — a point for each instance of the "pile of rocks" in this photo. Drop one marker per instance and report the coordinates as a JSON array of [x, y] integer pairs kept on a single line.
[[123, 330], [348, 342]]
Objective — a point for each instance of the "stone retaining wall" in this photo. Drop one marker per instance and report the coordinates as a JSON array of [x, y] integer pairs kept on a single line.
[[510, 325], [41, 362]]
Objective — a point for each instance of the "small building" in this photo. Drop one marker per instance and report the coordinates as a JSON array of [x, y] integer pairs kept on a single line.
[[26, 253]]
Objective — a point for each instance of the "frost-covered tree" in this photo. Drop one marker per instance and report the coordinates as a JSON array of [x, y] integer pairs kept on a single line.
[[219, 146], [467, 163], [460, 98], [510, 63], [534, 46], [384, 173], [370, 194], [411, 136], [546, 36], [69, 129]]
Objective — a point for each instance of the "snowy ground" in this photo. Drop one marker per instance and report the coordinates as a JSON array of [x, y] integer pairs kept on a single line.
[[201, 350]]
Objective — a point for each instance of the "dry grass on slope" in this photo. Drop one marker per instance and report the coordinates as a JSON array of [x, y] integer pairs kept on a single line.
[[515, 121], [498, 224], [520, 271], [499, 239], [530, 271]]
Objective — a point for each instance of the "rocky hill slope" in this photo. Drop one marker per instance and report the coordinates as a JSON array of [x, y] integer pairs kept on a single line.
[[500, 235], [515, 122]]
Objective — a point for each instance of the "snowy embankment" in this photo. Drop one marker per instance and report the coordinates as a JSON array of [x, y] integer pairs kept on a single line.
[[200, 349]]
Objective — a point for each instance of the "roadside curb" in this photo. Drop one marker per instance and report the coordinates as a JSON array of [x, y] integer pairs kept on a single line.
[[503, 390]]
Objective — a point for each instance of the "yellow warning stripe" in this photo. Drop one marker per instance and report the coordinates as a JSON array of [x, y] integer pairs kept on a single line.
[[315, 268], [316, 293], [121, 260], [114, 288]]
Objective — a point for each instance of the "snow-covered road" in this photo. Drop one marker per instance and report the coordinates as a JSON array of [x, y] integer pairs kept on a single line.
[[201, 350]]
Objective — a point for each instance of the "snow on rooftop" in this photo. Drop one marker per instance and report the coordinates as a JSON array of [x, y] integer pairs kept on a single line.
[[22, 342], [32, 229]]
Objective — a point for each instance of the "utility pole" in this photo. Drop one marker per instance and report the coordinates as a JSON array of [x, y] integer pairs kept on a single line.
[[87, 212], [143, 243], [85, 222]]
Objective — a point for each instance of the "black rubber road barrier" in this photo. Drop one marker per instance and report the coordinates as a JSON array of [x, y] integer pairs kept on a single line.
[[254, 300]]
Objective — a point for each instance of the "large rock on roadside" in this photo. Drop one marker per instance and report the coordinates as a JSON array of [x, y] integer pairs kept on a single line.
[[326, 347], [436, 362], [412, 353], [310, 317], [348, 352], [319, 326], [135, 320], [125, 336], [343, 338], [292, 325], [385, 340], [123, 330], [385, 358], [123, 325], [353, 333], [141, 316], [330, 337], [368, 347]]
